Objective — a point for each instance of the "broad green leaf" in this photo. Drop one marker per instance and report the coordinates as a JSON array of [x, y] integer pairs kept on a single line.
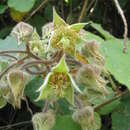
[[65, 123], [103, 32], [109, 107], [5, 31], [31, 88], [10, 43], [91, 36], [3, 8], [22, 5], [117, 63], [16, 15], [64, 106], [121, 116], [97, 99]]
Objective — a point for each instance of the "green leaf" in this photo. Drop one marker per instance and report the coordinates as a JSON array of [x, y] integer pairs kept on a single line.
[[22, 5], [121, 116], [3, 8], [10, 43], [61, 66], [69, 95], [103, 32], [117, 63], [78, 26], [5, 31], [91, 36], [109, 107], [64, 106], [31, 88], [57, 20], [96, 98], [65, 123]]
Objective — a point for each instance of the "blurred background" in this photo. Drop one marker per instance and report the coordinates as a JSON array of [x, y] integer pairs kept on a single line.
[[39, 12]]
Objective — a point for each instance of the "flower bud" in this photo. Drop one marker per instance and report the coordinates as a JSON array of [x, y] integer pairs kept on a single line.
[[22, 32], [43, 121], [17, 80]]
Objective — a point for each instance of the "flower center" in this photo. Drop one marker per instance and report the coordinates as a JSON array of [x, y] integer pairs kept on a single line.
[[59, 82]]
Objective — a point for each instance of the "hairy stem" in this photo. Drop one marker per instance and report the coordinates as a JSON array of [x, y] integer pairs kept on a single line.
[[37, 9], [111, 100], [125, 24], [12, 65]]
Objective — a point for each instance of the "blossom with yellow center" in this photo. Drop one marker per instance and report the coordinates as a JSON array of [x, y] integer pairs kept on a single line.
[[64, 36], [59, 83]]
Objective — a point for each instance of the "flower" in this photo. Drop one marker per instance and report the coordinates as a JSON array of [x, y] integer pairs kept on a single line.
[[59, 83], [36, 44], [64, 36]]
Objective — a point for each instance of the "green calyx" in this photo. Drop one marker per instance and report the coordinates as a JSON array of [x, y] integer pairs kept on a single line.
[[59, 83]]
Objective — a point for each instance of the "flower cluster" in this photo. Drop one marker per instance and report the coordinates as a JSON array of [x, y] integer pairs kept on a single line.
[[70, 70]]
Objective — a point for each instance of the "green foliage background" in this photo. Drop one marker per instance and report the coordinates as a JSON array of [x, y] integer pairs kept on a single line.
[[116, 115]]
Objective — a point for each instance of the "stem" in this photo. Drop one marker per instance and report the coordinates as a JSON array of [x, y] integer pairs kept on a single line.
[[35, 73], [16, 124], [78, 102], [83, 10], [11, 66], [125, 24], [46, 106], [37, 9], [34, 56], [111, 100], [13, 51], [46, 62], [62, 8], [10, 56]]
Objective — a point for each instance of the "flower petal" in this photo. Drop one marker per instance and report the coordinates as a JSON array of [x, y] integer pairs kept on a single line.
[[69, 94], [74, 84], [61, 66], [57, 20], [45, 82], [78, 26]]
